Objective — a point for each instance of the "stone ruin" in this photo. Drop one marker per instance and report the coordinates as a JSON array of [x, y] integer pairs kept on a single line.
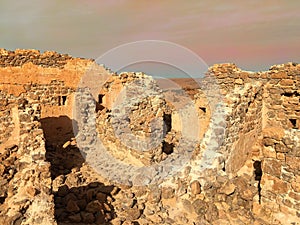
[[241, 165]]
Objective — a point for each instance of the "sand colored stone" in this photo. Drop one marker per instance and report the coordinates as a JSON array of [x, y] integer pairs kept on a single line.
[[253, 179]]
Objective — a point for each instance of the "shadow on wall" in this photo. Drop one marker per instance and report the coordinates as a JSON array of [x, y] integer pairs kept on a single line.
[[58, 131], [89, 204]]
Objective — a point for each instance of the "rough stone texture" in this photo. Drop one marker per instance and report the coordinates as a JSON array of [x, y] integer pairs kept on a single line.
[[249, 176]]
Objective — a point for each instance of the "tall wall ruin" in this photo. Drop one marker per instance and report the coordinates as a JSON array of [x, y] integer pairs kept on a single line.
[[254, 178]]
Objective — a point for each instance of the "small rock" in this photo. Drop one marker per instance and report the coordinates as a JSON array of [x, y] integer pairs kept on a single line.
[[100, 218], [212, 213], [101, 197], [133, 213], [66, 144], [87, 217], [94, 206], [154, 196], [116, 221], [90, 195], [72, 206], [200, 207], [81, 203], [70, 196], [63, 190], [75, 218], [187, 205], [106, 207], [195, 187], [167, 192], [115, 190], [239, 81], [31, 191], [228, 188], [72, 180]]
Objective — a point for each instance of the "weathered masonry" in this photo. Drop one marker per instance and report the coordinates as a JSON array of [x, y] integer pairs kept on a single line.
[[254, 177]]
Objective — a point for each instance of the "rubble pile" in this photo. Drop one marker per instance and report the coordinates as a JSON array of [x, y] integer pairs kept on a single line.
[[227, 152]]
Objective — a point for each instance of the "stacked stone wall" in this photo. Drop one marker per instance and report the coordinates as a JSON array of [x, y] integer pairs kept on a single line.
[[253, 177], [21, 57], [6, 120], [280, 173], [282, 96], [25, 178]]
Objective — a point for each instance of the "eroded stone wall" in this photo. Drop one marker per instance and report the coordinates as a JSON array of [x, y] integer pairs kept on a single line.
[[249, 176], [282, 97], [25, 177], [6, 119]]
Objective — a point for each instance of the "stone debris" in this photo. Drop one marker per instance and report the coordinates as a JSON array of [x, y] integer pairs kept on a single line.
[[240, 167]]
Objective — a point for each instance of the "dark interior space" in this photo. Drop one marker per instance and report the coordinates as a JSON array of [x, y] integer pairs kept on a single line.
[[293, 123], [257, 176], [90, 204], [203, 109], [2, 199], [291, 94], [257, 170], [57, 132], [62, 100], [99, 107], [75, 203], [167, 123], [167, 148], [100, 98]]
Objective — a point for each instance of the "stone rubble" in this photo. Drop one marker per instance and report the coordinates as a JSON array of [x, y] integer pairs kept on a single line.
[[242, 166]]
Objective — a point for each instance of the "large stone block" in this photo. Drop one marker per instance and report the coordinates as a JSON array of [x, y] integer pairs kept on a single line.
[[273, 184], [272, 167]]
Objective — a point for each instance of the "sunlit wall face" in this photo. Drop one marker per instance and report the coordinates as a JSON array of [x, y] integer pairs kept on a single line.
[[252, 34]]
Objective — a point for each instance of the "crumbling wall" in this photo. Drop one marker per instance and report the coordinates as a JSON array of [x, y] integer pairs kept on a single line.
[[280, 152], [244, 108], [136, 117], [6, 120], [282, 96], [280, 174], [253, 177], [25, 176], [21, 57], [49, 78]]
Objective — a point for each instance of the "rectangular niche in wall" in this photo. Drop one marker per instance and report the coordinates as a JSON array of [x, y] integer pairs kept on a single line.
[[100, 98], [62, 100], [168, 122]]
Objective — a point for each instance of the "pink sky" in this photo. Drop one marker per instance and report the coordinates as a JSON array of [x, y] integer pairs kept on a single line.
[[253, 34]]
